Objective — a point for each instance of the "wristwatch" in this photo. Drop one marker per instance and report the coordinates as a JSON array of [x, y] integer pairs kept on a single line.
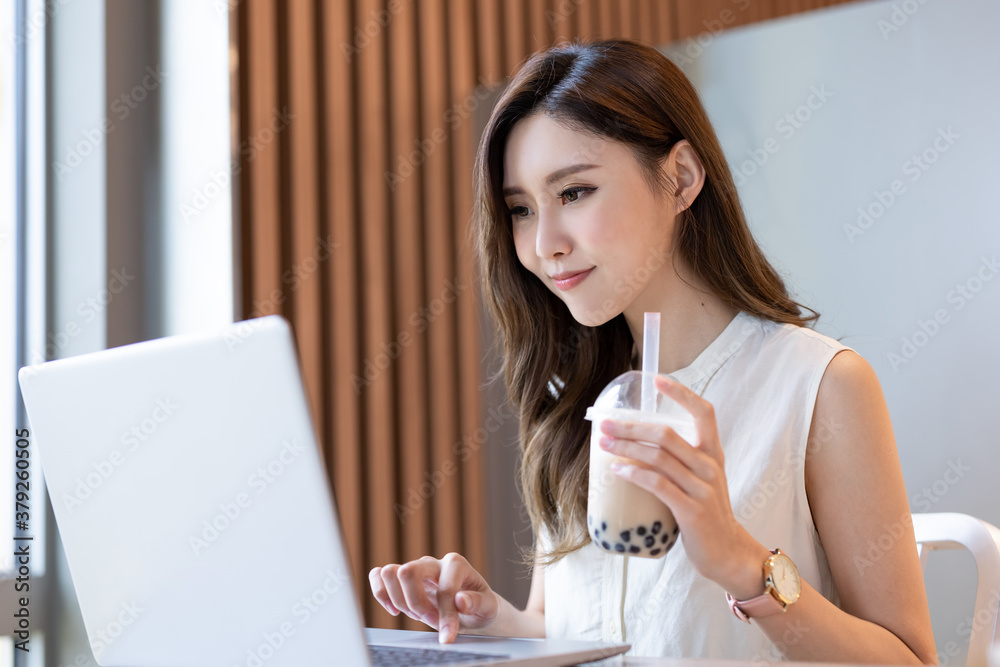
[[781, 588]]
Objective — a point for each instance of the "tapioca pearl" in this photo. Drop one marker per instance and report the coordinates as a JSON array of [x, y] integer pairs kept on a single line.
[[664, 538], [649, 541], [655, 552], [604, 526], [657, 527], [597, 537], [607, 547], [634, 549], [590, 520], [641, 530], [677, 529], [626, 536], [620, 548]]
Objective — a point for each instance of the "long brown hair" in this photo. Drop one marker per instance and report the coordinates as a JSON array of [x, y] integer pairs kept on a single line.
[[553, 366]]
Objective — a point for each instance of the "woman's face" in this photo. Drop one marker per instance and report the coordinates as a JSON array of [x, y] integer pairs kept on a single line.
[[584, 220]]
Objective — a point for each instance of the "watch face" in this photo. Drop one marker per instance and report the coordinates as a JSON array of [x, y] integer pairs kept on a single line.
[[785, 578]]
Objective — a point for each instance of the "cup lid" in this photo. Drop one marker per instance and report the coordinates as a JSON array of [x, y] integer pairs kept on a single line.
[[622, 399]]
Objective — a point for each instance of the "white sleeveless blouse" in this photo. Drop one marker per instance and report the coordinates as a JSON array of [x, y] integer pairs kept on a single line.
[[762, 379]]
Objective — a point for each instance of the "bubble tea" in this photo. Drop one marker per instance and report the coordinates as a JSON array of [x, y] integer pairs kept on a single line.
[[623, 518]]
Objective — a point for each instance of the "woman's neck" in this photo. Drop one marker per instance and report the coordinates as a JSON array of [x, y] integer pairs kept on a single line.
[[691, 317]]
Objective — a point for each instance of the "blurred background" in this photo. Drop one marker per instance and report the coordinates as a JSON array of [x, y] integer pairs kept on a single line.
[[168, 166]]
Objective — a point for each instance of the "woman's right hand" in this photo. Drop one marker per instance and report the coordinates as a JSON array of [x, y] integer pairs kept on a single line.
[[446, 594]]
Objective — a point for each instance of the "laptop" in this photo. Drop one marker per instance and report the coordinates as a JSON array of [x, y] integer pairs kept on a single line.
[[196, 513]]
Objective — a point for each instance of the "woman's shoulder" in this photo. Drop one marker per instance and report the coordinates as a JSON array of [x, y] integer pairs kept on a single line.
[[791, 338], [788, 353]]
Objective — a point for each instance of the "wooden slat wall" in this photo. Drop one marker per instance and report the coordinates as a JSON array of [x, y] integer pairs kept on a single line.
[[353, 215], [407, 202]]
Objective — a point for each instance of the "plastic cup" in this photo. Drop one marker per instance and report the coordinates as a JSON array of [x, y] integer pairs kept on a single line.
[[623, 518]]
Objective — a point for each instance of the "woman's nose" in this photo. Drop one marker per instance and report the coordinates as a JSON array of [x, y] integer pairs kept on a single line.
[[551, 239]]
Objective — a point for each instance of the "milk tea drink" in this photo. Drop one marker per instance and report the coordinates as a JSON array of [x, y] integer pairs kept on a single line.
[[621, 517]]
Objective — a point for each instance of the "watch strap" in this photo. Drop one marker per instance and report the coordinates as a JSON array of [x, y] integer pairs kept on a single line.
[[756, 607]]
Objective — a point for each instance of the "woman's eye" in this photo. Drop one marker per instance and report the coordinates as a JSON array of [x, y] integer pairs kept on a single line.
[[570, 195], [518, 211]]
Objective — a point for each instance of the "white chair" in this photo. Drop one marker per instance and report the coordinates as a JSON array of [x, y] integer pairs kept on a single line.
[[947, 530]]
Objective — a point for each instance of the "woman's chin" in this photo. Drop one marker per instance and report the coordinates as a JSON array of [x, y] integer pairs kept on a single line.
[[592, 317]]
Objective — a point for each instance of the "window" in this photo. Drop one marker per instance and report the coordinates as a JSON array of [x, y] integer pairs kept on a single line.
[[22, 224], [67, 188]]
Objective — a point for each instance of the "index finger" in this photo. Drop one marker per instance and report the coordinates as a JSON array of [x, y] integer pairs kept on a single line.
[[702, 411], [449, 585]]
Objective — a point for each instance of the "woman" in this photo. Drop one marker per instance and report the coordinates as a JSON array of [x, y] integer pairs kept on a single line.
[[603, 193]]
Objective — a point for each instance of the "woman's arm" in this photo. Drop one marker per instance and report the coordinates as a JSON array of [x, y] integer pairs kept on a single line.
[[512, 622], [855, 488]]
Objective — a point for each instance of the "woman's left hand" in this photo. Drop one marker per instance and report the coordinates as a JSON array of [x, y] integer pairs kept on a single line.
[[691, 481]]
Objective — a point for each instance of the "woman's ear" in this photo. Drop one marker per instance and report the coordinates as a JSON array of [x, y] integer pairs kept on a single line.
[[684, 169]]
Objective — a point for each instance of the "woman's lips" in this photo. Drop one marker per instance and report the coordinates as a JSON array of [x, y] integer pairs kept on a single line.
[[569, 280]]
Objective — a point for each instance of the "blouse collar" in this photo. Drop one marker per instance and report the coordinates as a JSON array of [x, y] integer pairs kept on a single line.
[[697, 375]]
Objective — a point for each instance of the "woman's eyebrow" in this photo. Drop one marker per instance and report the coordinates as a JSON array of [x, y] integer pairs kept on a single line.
[[553, 177]]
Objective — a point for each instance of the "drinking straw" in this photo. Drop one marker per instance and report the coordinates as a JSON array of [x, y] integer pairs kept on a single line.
[[650, 359]]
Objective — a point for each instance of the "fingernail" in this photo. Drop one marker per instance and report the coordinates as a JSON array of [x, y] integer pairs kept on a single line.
[[606, 442], [619, 468], [443, 633]]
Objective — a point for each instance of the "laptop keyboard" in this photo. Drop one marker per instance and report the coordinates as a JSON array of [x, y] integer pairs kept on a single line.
[[395, 656]]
